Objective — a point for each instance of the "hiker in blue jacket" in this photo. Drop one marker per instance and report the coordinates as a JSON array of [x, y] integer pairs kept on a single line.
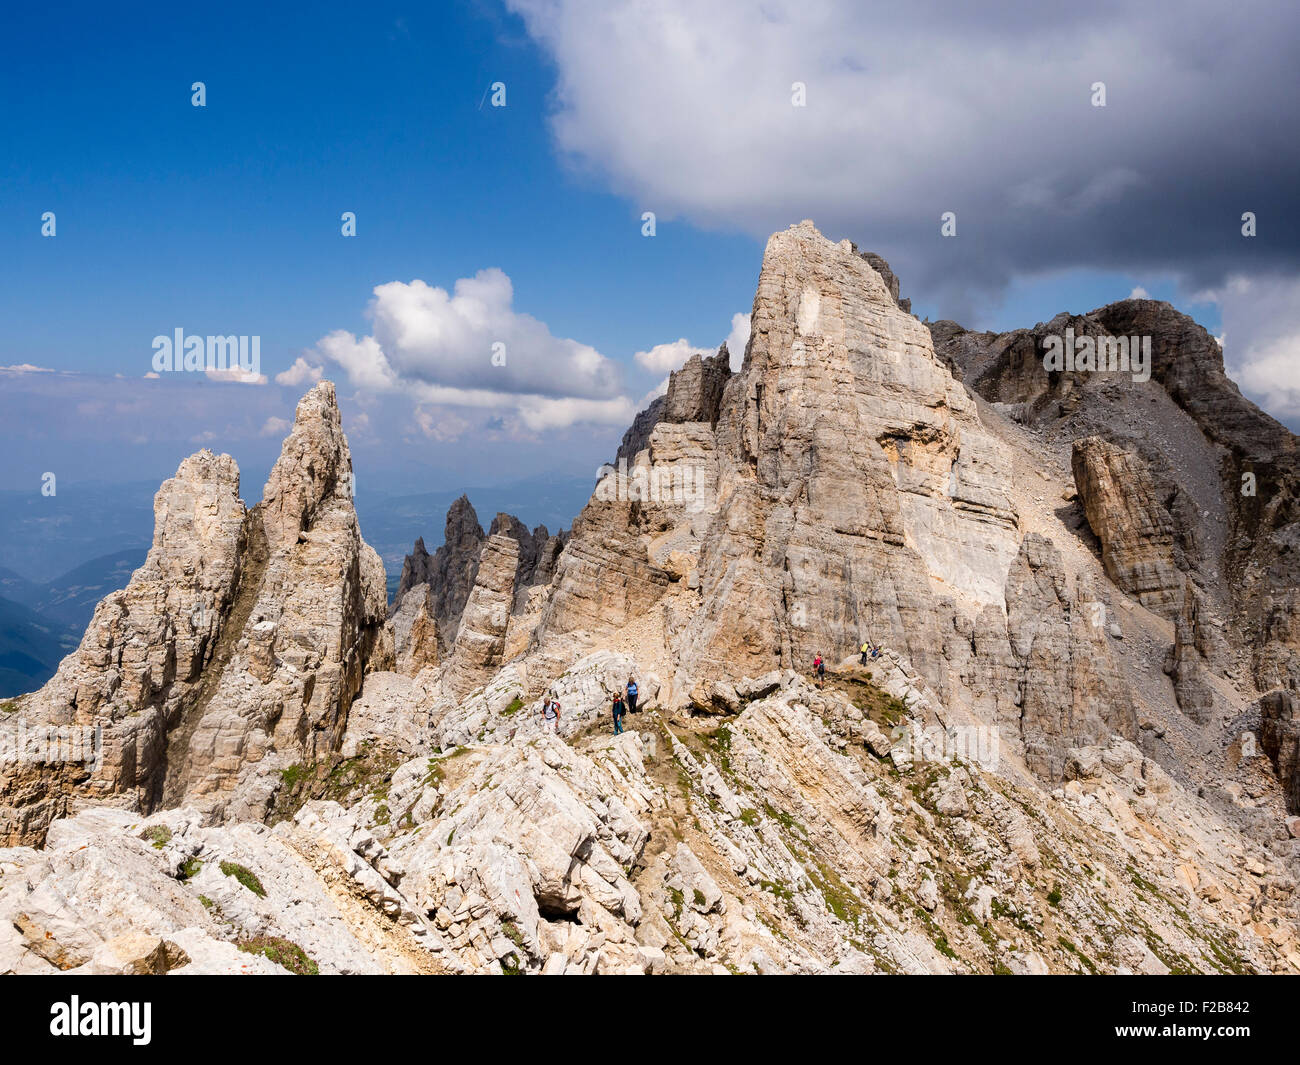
[[631, 695]]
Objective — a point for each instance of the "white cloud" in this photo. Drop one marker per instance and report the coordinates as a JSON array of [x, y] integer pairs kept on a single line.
[[238, 375], [26, 367], [738, 338], [1139, 293], [664, 358], [686, 109], [274, 426], [439, 424], [299, 374], [541, 412], [1262, 317], [363, 360], [471, 348]]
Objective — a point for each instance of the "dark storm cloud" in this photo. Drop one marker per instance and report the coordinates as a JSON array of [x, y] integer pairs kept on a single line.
[[917, 109]]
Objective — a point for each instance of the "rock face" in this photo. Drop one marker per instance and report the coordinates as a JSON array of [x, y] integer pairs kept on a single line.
[[887, 276], [694, 395], [843, 476], [1187, 660], [415, 632], [1280, 738], [1136, 531], [481, 639], [448, 574], [1227, 474], [235, 650], [1070, 691], [313, 621], [434, 591], [140, 666], [854, 471]]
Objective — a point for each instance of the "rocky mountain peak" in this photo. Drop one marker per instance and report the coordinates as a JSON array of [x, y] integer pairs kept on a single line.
[[314, 464], [241, 641]]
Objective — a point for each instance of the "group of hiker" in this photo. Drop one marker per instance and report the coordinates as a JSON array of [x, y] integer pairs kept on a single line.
[[868, 651], [622, 703]]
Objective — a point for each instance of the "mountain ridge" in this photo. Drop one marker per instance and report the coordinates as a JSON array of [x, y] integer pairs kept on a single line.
[[1044, 766]]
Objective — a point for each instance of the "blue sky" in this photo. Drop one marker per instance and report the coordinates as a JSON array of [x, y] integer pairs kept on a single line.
[[226, 218]]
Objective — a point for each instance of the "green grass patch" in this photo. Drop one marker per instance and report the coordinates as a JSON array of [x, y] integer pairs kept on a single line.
[[245, 876], [285, 953], [292, 775], [779, 890]]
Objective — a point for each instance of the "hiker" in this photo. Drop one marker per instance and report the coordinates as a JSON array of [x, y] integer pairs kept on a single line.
[[875, 651], [551, 713], [866, 649], [619, 711], [631, 695], [819, 669]]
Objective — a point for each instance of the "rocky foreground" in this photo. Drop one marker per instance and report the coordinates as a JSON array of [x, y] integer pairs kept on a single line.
[[1076, 752]]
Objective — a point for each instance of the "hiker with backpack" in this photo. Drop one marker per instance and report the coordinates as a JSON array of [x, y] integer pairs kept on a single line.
[[631, 695], [866, 648], [551, 713], [819, 670], [619, 710]]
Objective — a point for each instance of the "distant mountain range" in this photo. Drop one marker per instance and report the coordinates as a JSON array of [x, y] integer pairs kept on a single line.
[[31, 648], [40, 623], [390, 522]]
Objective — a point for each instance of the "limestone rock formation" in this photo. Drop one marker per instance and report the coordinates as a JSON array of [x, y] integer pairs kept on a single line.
[[1187, 660], [434, 591], [1280, 737], [448, 574], [1227, 472], [140, 665], [1071, 692], [481, 639], [245, 632], [1136, 531], [315, 603], [415, 632]]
